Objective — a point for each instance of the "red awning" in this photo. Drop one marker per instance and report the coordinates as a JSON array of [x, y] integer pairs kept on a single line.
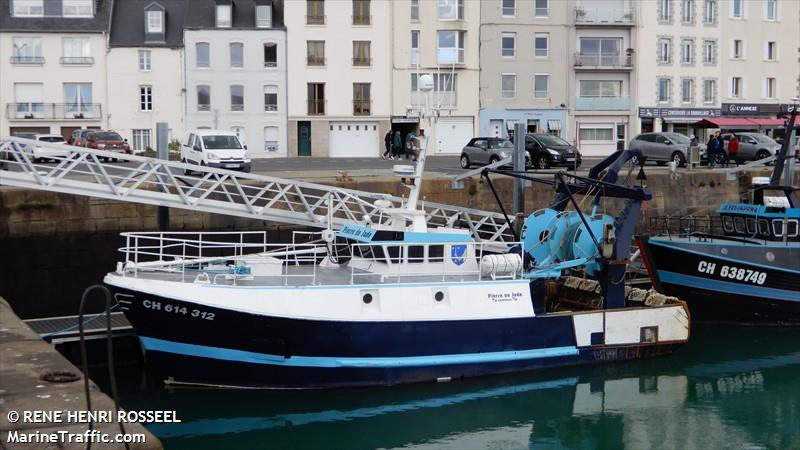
[[738, 122], [769, 122]]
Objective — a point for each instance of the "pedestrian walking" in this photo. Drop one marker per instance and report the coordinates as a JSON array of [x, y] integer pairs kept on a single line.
[[733, 150], [410, 144], [387, 142], [712, 149], [397, 145]]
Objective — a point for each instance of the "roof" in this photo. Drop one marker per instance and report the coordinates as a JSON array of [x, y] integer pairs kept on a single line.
[[739, 122], [127, 23], [53, 24], [202, 14]]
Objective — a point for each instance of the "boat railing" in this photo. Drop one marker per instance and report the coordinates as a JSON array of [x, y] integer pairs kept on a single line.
[[681, 226]]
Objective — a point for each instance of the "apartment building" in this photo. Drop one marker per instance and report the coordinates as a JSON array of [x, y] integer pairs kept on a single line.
[[603, 73], [340, 84], [53, 57], [524, 78], [145, 54], [440, 38], [235, 71]]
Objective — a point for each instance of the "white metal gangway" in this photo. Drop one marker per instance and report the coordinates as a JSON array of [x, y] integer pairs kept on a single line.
[[82, 171]]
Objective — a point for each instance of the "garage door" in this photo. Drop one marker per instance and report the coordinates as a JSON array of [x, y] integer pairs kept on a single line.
[[452, 134], [354, 139], [29, 130]]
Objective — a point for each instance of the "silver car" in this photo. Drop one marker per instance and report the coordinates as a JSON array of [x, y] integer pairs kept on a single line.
[[753, 146], [485, 150], [664, 147]]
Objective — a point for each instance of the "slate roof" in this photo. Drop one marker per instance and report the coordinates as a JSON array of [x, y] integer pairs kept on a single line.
[[201, 14], [127, 23], [99, 23]]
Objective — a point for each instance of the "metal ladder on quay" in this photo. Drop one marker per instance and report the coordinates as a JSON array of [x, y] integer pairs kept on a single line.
[[158, 182]]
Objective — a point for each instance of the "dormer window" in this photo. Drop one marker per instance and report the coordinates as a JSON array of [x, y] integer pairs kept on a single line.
[[28, 8], [155, 22], [77, 8], [224, 16], [263, 16]]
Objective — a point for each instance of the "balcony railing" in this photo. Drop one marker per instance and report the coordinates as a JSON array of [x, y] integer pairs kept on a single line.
[[316, 107], [315, 60], [603, 61], [34, 60], [362, 20], [76, 60], [203, 107], [54, 111], [270, 108], [238, 107], [271, 146], [271, 64], [450, 56], [604, 16], [441, 99], [362, 107], [602, 103], [315, 19], [362, 61]]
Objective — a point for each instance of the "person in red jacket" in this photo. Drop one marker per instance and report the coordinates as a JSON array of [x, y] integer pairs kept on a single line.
[[733, 150]]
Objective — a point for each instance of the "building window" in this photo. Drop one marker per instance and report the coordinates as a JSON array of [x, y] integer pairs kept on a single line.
[[710, 11], [771, 51], [596, 133], [444, 87], [155, 22], [687, 51], [541, 45], [687, 11], [665, 10], [508, 44], [541, 8], [709, 91], [26, 50], [450, 9], [770, 88], [737, 8], [362, 102], [28, 8], [315, 12], [224, 16], [709, 52], [600, 88], [737, 49], [270, 54], [144, 61], [77, 8], [541, 85], [237, 54], [508, 85], [141, 139], [78, 98], [145, 98], [361, 53], [237, 97], [361, 13], [600, 52], [450, 47], [736, 87], [77, 50], [202, 54], [771, 10], [664, 90], [203, 98], [664, 51], [415, 47], [414, 9], [316, 99], [271, 139], [509, 8], [271, 98], [687, 88], [315, 53], [29, 100], [263, 16]]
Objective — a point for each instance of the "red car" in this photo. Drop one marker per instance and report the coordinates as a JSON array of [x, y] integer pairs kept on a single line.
[[109, 141]]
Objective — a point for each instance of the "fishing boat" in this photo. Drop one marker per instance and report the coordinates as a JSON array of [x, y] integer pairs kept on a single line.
[[396, 302], [747, 273]]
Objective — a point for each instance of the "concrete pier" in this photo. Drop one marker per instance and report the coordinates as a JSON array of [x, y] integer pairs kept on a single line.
[[25, 361]]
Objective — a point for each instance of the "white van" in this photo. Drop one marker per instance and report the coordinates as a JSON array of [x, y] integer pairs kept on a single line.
[[215, 148]]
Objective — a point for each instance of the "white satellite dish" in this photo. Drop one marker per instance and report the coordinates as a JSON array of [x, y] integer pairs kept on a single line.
[[425, 83]]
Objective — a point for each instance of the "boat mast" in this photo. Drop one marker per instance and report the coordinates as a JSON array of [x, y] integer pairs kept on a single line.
[[785, 154]]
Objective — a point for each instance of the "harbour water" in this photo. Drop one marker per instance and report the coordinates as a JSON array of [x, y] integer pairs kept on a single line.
[[729, 388]]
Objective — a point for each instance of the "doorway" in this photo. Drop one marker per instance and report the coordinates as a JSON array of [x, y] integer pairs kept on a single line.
[[304, 138], [533, 126], [497, 128]]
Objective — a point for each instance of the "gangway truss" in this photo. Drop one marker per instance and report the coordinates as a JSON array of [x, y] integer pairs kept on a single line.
[[138, 179]]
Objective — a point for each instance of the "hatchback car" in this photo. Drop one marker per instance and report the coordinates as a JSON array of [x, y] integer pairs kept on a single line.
[[486, 150], [55, 147], [109, 141], [547, 150], [664, 147], [753, 146]]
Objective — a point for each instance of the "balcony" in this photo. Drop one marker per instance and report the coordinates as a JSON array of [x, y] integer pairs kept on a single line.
[[602, 103], [203, 107], [315, 60], [270, 107], [28, 60], [603, 61], [270, 64], [315, 19], [362, 62], [76, 60], [615, 17], [316, 107], [362, 20], [53, 111], [237, 107], [362, 107]]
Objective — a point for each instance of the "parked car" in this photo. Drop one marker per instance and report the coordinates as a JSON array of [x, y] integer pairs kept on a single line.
[[78, 137], [753, 146], [214, 148], [41, 153], [6, 156], [109, 141], [486, 150], [664, 147], [547, 150]]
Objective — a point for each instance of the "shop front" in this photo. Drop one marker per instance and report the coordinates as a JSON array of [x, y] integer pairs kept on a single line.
[[676, 120], [500, 122]]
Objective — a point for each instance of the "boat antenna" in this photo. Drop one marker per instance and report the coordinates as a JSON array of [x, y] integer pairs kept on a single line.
[[784, 153]]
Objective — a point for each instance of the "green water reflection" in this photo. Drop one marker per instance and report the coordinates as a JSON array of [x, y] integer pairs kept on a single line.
[[730, 388]]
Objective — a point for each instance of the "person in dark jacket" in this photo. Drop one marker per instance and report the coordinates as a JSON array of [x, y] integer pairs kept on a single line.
[[713, 149], [387, 142], [397, 145]]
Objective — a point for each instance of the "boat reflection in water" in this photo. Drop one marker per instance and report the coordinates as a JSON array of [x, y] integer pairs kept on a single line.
[[743, 393]]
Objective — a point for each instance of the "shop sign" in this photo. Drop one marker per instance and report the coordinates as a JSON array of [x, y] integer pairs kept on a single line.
[[755, 109], [405, 119], [645, 112]]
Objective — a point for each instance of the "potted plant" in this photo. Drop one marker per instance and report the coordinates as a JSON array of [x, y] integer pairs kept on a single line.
[[580, 12]]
